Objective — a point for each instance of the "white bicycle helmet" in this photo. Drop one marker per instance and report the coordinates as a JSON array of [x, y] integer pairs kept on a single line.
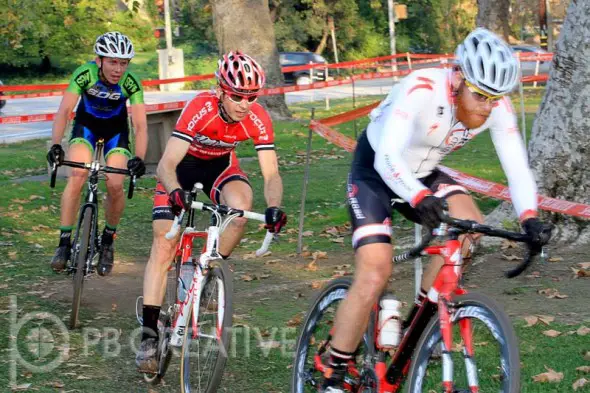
[[488, 62], [114, 44]]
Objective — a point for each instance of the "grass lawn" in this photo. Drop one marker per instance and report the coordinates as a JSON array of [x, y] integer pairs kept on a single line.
[[29, 218]]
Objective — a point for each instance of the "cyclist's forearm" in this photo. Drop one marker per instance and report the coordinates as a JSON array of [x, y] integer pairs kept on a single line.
[[59, 127], [141, 140], [273, 190], [167, 176]]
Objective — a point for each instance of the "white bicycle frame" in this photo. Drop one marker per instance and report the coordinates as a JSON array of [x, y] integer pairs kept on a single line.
[[193, 297]]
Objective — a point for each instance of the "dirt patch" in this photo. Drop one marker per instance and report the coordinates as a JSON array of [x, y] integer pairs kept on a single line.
[[294, 276]]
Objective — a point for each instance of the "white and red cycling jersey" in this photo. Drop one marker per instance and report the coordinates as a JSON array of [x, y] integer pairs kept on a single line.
[[414, 128], [211, 137]]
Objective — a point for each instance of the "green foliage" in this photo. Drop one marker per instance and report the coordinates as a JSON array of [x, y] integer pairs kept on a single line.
[[42, 31]]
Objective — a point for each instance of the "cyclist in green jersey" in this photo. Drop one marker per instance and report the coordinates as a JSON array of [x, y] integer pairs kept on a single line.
[[104, 86]]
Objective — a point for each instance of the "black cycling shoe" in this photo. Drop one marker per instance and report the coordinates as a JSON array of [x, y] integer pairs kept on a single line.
[[106, 260], [146, 359], [60, 258]]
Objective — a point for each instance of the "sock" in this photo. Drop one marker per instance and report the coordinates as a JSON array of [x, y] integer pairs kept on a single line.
[[150, 322], [65, 236], [108, 234], [334, 374]]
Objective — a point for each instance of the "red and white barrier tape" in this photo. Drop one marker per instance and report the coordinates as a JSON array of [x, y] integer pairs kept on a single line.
[[472, 183]]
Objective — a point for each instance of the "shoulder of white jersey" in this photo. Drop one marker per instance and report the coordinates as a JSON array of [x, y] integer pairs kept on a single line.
[[427, 78]]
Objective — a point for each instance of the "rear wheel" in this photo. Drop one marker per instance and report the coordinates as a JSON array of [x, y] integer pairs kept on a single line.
[[495, 364], [312, 351], [205, 350], [79, 259]]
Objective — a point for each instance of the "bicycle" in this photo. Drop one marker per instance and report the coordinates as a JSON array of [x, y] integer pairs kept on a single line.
[[86, 244], [207, 304], [429, 327]]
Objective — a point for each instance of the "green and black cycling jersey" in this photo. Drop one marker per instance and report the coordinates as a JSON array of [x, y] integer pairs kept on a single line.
[[102, 108]]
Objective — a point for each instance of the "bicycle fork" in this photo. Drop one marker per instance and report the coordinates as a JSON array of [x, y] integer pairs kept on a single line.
[[446, 282], [193, 299]]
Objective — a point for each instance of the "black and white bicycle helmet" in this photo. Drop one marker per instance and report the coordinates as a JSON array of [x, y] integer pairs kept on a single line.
[[114, 44], [488, 62]]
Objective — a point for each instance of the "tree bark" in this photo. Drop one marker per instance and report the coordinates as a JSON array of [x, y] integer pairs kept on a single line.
[[560, 142], [245, 25], [494, 15], [324, 41]]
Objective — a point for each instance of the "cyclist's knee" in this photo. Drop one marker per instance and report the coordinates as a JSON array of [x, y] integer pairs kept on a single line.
[[77, 179], [115, 188]]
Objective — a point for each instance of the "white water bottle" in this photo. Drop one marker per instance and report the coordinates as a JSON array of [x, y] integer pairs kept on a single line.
[[185, 278], [389, 322]]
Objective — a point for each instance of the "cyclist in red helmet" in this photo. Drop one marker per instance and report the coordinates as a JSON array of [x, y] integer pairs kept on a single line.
[[202, 149]]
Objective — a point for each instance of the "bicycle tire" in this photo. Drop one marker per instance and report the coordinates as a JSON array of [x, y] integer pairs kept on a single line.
[[167, 315], [491, 314], [80, 261], [303, 376], [219, 274]]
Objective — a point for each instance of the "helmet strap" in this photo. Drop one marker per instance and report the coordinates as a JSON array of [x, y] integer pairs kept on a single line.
[[222, 112]]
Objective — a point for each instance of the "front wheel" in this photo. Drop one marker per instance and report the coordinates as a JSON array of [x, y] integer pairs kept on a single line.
[[494, 364], [205, 349], [79, 260]]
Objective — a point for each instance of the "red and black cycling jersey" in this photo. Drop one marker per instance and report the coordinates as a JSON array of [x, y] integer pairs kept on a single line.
[[210, 136]]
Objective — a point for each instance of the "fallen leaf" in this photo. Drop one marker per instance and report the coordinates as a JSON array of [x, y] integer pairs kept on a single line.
[[114, 307], [83, 377], [21, 387], [3, 286], [251, 255], [584, 265], [584, 369], [511, 257], [506, 244], [305, 254], [583, 330], [246, 277], [316, 284], [338, 240], [587, 356], [320, 255], [551, 293], [269, 344], [332, 231], [551, 333], [12, 255], [312, 267], [546, 319], [555, 259], [272, 261], [291, 231], [531, 320], [534, 274], [307, 233], [263, 275], [58, 385], [579, 383], [549, 376], [295, 321]]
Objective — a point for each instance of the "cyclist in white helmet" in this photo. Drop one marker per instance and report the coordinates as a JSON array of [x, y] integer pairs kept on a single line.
[[105, 85], [429, 114]]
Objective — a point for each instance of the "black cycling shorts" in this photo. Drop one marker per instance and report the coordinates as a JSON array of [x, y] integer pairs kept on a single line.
[[213, 174], [113, 143], [371, 202]]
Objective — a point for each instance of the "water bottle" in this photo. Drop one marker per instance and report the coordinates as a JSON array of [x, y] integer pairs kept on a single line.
[[389, 322], [185, 278]]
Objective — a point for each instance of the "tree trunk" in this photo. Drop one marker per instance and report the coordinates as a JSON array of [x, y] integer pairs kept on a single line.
[[246, 25], [324, 41], [560, 142], [494, 15]]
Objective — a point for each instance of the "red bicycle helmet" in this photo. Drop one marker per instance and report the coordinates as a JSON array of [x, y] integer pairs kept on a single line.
[[239, 73]]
